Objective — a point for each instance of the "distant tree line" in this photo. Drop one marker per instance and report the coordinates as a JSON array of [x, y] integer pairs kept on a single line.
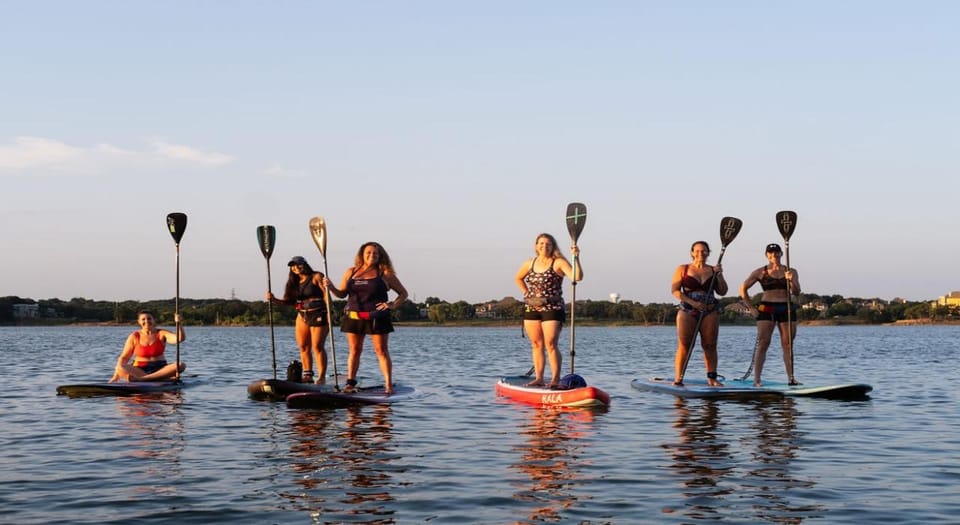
[[234, 312]]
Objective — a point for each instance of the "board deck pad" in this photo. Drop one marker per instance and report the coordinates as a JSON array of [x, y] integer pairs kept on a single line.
[[125, 388], [736, 388], [331, 398]]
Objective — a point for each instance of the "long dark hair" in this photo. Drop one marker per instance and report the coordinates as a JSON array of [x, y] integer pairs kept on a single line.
[[291, 291]]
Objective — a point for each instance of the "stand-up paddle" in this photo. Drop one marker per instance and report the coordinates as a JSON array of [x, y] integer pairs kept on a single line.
[[576, 219], [318, 230], [177, 224], [729, 228], [267, 239], [786, 223]]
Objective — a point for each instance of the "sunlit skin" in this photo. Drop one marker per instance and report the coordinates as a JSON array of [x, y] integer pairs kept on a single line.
[[310, 339], [149, 333], [368, 269], [544, 335], [775, 269], [687, 323]]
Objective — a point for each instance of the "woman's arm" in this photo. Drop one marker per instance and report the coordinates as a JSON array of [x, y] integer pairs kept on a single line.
[[521, 273], [396, 286], [171, 338], [793, 281], [720, 283]]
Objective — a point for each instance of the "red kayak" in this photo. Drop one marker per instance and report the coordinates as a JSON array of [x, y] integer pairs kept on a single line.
[[514, 387]]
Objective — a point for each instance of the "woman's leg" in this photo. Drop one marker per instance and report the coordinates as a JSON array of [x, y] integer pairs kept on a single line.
[[551, 334], [302, 331], [786, 342], [535, 333], [318, 337], [383, 357], [686, 324], [764, 333], [709, 333], [355, 342]]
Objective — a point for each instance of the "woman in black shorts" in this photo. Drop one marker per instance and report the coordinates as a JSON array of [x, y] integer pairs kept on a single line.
[[304, 291], [777, 281], [365, 285], [541, 281]]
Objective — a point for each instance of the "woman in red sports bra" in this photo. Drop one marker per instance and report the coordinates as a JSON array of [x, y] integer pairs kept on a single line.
[[698, 307], [146, 346]]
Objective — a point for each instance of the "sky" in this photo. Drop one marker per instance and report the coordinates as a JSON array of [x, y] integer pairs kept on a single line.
[[455, 132]]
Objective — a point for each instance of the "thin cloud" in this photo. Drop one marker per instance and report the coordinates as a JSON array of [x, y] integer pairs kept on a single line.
[[278, 170], [186, 153], [30, 152], [26, 155]]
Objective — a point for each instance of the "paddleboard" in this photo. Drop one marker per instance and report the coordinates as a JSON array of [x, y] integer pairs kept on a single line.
[[514, 388], [124, 389], [373, 395], [737, 389], [279, 389]]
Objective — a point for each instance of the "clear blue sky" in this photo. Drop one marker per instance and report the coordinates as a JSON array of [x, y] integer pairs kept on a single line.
[[454, 132]]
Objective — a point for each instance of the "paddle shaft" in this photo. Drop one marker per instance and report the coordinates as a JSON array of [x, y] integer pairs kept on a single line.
[[333, 346], [273, 343], [176, 313], [786, 247]]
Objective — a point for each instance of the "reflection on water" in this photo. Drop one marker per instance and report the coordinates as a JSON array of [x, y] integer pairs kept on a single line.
[[551, 458], [153, 433], [718, 439], [774, 444], [342, 459], [702, 458]]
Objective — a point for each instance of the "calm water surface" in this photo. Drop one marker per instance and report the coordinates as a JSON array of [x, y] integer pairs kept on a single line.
[[459, 455]]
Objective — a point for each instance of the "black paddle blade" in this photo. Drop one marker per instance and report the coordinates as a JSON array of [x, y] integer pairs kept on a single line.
[[267, 239], [318, 230], [786, 223], [576, 219], [729, 228], [177, 224]]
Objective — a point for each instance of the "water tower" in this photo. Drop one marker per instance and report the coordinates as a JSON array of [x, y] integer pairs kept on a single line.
[[614, 297]]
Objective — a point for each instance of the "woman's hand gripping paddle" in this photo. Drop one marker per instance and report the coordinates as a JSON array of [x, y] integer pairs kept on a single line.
[[318, 230], [176, 225], [267, 239]]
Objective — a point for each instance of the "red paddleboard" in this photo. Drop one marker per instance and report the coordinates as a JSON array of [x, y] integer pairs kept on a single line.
[[514, 387]]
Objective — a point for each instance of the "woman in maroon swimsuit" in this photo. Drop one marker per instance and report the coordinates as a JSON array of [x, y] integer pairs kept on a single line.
[[146, 346], [698, 307]]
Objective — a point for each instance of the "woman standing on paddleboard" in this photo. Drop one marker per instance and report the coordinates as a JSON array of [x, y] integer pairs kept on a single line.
[[304, 291], [365, 285], [776, 280], [146, 346], [694, 285], [541, 281]]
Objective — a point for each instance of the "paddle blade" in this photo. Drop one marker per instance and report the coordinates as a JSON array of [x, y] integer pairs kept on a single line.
[[576, 219], [729, 228], [267, 239], [786, 223], [318, 229], [176, 224]]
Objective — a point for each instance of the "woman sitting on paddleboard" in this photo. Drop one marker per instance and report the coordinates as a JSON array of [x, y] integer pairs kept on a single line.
[[365, 285], [776, 280], [694, 285], [146, 347], [541, 281], [304, 291]]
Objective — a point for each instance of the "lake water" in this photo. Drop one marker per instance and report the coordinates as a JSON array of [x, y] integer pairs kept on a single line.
[[458, 454]]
